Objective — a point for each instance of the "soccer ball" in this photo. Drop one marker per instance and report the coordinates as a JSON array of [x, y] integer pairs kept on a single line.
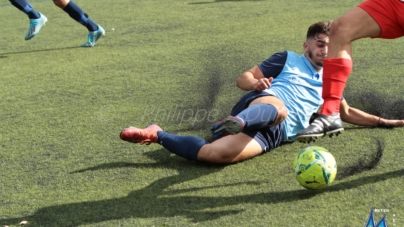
[[315, 167]]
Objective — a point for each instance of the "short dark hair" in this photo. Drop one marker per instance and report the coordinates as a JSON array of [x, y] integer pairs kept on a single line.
[[322, 27]]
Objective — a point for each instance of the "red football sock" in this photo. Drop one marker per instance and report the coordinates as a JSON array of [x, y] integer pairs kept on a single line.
[[335, 75]]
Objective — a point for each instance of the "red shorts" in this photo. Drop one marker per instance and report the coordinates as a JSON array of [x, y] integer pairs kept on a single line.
[[389, 14]]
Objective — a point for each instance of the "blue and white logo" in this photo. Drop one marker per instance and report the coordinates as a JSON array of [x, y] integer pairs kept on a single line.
[[371, 220]]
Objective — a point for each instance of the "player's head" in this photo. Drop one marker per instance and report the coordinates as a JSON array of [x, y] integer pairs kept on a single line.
[[316, 45]]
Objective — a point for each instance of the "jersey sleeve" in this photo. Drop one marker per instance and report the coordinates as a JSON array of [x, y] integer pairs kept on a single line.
[[273, 66]]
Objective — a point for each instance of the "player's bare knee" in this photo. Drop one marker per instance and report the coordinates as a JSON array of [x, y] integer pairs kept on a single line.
[[282, 114], [58, 3], [61, 3], [339, 31]]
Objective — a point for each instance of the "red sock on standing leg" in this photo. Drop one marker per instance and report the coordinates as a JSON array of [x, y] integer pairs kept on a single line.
[[335, 76]]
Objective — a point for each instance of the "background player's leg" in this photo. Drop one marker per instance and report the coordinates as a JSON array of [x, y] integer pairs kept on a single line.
[[36, 19], [75, 12], [25, 7]]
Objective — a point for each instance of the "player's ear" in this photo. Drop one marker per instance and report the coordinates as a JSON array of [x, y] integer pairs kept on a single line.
[[305, 45]]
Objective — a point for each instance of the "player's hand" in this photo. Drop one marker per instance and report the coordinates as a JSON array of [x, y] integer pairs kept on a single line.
[[263, 84], [390, 123]]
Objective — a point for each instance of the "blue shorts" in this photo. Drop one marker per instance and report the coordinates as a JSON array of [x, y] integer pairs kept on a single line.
[[269, 137]]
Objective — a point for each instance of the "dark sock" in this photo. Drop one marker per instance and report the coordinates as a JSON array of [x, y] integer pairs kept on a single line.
[[78, 15], [24, 6], [258, 116], [183, 146]]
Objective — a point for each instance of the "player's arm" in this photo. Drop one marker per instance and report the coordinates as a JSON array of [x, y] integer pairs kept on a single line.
[[358, 117], [260, 77], [253, 79]]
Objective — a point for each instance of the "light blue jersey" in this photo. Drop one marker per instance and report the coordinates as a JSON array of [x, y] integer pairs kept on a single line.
[[299, 86]]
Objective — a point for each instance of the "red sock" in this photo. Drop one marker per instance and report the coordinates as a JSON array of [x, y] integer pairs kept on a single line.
[[335, 75]]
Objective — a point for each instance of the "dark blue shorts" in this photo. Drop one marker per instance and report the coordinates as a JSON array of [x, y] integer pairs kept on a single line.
[[269, 137]]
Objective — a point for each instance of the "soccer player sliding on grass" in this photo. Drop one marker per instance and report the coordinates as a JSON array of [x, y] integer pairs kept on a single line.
[[372, 18], [285, 90]]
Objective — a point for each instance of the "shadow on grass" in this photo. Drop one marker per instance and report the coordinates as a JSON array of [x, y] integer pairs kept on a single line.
[[217, 1], [367, 162], [35, 51], [365, 180], [158, 200], [355, 127]]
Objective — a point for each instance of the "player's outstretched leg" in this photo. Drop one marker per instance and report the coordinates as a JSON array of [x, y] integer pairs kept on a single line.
[[146, 136], [184, 146], [35, 25], [321, 125]]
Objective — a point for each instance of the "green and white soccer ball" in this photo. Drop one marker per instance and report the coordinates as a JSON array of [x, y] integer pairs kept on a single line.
[[315, 167]]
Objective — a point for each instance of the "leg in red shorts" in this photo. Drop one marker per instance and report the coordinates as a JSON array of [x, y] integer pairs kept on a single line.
[[373, 18], [389, 14]]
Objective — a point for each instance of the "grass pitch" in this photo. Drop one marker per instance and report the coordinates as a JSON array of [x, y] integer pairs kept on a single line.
[[175, 63]]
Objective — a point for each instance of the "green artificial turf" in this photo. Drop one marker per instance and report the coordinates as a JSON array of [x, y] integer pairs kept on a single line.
[[174, 62]]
